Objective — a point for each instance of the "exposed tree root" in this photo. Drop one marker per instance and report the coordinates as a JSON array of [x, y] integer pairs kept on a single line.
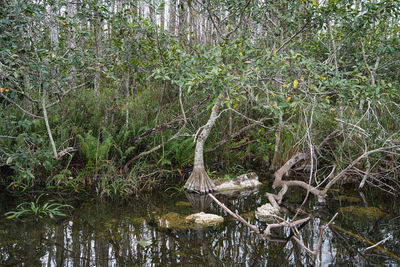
[[276, 199], [200, 182]]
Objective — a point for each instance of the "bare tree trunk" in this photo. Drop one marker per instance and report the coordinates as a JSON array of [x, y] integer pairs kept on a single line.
[[172, 16], [181, 20], [71, 13], [274, 161], [99, 49], [127, 97], [162, 19], [199, 179], [46, 120], [53, 26]]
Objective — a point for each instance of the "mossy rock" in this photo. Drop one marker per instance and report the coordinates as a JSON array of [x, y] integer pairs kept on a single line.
[[349, 199], [202, 219], [138, 220], [248, 215], [372, 213], [182, 204], [173, 220]]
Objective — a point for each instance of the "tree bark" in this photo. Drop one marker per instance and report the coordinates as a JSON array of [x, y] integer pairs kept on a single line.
[[127, 98], [199, 179], [99, 49], [46, 120], [172, 16]]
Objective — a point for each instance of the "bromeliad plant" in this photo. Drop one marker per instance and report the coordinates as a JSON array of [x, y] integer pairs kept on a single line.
[[37, 210]]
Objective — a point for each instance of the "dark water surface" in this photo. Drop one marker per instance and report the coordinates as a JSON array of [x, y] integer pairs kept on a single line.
[[128, 234]]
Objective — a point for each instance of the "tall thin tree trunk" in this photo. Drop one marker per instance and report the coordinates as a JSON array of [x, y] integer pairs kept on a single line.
[[99, 49], [71, 13], [274, 161], [172, 16], [162, 19], [53, 26], [46, 120], [199, 179], [127, 97], [181, 20]]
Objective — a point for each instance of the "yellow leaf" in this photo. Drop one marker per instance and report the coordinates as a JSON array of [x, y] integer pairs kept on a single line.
[[302, 79], [295, 83], [7, 90], [1, 90], [285, 85], [314, 2], [276, 135], [53, 80], [332, 109], [240, 54], [213, 107], [288, 99], [235, 106], [323, 78], [194, 14], [272, 93]]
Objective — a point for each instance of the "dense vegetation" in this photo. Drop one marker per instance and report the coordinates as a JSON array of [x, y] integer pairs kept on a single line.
[[108, 96]]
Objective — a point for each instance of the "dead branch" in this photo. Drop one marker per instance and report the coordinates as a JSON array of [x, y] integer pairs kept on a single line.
[[377, 244], [66, 151], [276, 199], [364, 179], [290, 224], [242, 130], [391, 254], [351, 165], [235, 216]]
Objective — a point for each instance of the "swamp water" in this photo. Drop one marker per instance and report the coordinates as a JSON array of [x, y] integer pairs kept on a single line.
[[150, 232]]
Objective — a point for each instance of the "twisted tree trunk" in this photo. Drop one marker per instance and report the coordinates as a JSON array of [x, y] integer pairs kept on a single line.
[[199, 179]]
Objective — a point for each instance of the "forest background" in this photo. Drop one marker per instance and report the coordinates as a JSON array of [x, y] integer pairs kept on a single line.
[[109, 96]]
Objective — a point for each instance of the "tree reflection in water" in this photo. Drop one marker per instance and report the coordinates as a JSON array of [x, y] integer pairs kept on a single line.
[[107, 234]]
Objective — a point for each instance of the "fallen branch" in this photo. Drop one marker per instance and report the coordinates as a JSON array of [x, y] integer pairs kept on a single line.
[[364, 179], [377, 244], [235, 216], [391, 254], [290, 224]]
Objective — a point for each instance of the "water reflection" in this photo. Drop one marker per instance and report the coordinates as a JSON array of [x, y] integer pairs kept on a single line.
[[199, 202], [107, 234]]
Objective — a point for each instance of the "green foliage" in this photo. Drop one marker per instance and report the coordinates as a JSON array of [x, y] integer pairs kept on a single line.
[[37, 210], [333, 59], [178, 153], [94, 149]]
